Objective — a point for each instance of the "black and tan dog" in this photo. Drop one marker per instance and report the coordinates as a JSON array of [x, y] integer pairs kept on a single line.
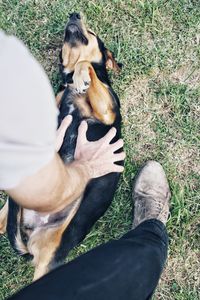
[[86, 94]]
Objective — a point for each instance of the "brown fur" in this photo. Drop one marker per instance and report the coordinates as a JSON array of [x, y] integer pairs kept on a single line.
[[83, 104], [71, 56], [100, 99], [111, 63]]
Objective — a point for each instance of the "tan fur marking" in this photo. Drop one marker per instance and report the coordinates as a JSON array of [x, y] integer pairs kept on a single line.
[[84, 107], [72, 55], [3, 218], [101, 103], [43, 245], [100, 99], [44, 242]]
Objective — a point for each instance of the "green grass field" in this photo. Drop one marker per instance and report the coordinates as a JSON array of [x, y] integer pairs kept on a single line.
[[158, 43]]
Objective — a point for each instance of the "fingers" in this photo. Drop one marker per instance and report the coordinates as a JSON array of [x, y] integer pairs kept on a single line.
[[117, 169], [65, 123], [117, 145], [111, 169], [100, 155], [61, 131], [109, 136], [82, 130], [63, 127], [119, 156]]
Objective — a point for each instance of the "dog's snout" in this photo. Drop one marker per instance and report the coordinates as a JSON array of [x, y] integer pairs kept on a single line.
[[75, 16]]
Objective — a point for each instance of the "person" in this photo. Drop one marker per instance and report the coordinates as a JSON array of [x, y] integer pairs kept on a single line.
[[128, 268]]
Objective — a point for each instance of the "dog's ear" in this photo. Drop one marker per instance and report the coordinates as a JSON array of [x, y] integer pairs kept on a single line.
[[111, 62]]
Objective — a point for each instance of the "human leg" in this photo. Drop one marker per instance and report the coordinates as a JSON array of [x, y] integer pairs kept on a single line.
[[128, 268]]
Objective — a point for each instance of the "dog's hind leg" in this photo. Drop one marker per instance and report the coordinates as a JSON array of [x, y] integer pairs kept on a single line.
[[45, 241], [3, 218], [42, 245]]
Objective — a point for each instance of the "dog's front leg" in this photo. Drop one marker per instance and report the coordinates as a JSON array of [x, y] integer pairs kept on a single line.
[[81, 77], [97, 95]]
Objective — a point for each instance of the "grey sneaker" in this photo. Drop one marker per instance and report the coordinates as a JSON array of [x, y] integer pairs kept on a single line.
[[151, 194]]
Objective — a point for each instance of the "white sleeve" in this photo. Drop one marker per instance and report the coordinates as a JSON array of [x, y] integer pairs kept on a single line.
[[28, 114]]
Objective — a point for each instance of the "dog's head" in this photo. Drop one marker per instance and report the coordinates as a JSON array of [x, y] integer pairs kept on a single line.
[[82, 44]]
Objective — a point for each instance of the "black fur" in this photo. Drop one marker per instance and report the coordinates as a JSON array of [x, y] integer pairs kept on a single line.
[[77, 36], [13, 210]]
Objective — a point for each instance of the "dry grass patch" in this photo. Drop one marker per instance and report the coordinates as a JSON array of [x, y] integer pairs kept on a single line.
[[181, 272], [137, 119], [140, 109], [188, 74], [185, 160]]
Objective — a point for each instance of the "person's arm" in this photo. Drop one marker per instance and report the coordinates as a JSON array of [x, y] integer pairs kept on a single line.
[[56, 185]]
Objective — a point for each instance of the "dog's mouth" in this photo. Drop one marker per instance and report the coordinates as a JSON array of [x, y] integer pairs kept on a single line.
[[75, 31]]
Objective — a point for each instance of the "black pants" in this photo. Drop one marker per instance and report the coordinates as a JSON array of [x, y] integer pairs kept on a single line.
[[128, 268]]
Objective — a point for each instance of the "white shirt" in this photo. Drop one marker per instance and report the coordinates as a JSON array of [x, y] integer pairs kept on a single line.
[[28, 114]]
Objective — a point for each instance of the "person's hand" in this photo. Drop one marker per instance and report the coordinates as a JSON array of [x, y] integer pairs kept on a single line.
[[99, 156], [61, 132]]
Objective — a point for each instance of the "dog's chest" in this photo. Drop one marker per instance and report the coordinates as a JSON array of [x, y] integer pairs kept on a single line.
[[70, 108]]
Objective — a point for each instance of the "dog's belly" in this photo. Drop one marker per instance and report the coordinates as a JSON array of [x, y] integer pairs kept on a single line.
[[33, 219]]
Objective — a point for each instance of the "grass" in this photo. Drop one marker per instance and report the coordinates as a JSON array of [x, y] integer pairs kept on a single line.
[[159, 87]]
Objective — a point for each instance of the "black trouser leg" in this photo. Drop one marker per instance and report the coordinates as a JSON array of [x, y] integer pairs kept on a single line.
[[128, 268]]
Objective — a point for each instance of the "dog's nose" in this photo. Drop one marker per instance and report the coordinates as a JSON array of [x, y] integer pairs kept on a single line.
[[75, 17]]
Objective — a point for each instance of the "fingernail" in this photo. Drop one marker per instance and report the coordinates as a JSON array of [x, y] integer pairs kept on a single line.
[[68, 118], [84, 122]]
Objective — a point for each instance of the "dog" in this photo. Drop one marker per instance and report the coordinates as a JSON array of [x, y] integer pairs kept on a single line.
[[86, 94]]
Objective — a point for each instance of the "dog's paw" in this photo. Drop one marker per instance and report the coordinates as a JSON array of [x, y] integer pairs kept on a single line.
[[81, 80]]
